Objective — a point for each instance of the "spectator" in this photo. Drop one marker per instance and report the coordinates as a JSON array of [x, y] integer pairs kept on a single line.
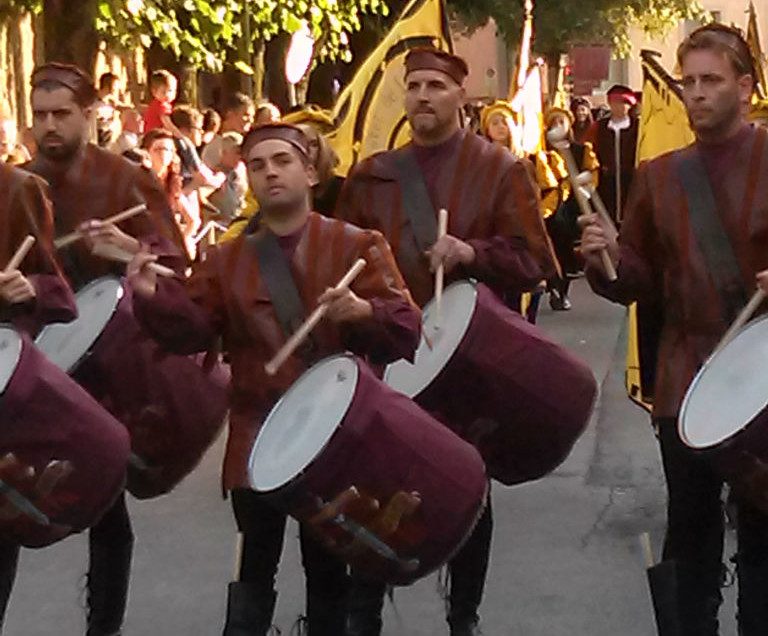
[[582, 118], [236, 116], [11, 150], [229, 199], [163, 86], [211, 127], [267, 113], [324, 159], [132, 125], [159, 145]]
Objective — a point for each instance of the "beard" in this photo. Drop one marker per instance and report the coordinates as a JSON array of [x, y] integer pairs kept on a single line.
[[60, 152]]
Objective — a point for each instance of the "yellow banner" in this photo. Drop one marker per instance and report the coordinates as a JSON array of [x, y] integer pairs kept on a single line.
[[369, 115]]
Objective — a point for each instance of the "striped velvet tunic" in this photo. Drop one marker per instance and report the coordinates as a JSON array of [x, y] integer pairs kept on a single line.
[[24, 210], [492, 204], [227, 296], [661, 260], [99, 184]]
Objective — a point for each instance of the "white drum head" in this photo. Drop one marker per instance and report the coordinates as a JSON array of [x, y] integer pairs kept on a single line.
[[302, 422], [459, 301], [729, 390], [10, 352], [66, 344]]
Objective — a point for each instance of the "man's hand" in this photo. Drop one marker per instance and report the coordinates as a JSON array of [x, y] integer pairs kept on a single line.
[[15, 287], [345, 306], [97, 232], [597, 236], [451, 252], [142, 280]]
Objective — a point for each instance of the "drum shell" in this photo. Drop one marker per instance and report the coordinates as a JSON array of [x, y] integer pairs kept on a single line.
[[172, 406], [385, 445], [45, 415], [522, 399]]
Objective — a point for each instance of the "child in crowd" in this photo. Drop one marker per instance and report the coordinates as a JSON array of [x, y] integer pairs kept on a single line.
[[163, 87]]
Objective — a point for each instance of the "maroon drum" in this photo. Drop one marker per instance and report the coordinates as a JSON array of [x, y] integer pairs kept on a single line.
[[48, 422], [383, 485], [724, 415], [499, 382], [172, 406]]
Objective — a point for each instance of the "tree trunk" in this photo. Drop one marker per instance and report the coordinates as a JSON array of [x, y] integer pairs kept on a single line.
[[70, 34], [275, 84]]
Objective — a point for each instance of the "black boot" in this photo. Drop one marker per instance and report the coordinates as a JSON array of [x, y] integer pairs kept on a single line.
[[108, 577], [249, 610], [325, 616], [364, 605]]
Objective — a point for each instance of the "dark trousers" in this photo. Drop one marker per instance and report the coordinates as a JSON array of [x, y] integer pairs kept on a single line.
[[263, 529], [466, 571], [110, 549], [694, 541]]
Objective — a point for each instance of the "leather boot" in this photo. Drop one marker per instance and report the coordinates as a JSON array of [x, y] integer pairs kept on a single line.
[[249, 610], [107, 587], [325, 616], [364, 605]]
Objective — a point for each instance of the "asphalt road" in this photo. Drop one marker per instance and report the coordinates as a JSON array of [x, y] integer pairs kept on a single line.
[[566, 558]]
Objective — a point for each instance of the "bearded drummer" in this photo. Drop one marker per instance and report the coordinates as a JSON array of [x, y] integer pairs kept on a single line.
[[661, 256], [228, 296], [495, 235], [86, 184]]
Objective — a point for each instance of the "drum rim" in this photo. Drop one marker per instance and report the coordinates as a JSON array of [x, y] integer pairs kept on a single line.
[[19, 346], [471, 282], [121, 292], [287, 483], [697, 379]]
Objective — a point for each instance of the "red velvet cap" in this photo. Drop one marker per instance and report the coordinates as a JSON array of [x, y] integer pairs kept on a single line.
[[434, 59], [69, 76], [618, 91], [277, 130]]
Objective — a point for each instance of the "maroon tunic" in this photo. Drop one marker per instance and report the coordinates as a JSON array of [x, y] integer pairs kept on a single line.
[[492, 203], [99, 184], [24, 210], [227, 296], [661, 260]]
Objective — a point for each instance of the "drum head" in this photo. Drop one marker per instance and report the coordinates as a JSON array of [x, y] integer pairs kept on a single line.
[[729, 390], [66, 344], [10, 352], [459, 301], [302, 422]]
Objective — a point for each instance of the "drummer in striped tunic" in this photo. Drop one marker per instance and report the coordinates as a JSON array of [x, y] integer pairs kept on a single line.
[[495, 235], [228, 296], [661, 255]]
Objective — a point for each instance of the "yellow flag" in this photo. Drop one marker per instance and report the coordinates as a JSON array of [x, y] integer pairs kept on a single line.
[[369, 115], [528, 104], [663, 127], [560, 100], [753, 38]]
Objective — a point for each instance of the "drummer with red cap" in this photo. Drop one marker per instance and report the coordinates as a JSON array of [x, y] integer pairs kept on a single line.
[[615, 141], [495, 235], [232, 295]]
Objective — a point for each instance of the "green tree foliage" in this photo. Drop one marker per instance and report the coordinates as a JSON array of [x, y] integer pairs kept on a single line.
[[205, 33], [560, 23]]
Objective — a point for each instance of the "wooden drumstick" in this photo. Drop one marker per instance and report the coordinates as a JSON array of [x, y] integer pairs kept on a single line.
[[114, 253], [442, 230], [309, 324], [75, 236], [558, 137], [20, 254], [757, 298]]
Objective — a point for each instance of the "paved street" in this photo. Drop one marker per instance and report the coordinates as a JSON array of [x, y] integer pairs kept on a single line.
[[566, 559]]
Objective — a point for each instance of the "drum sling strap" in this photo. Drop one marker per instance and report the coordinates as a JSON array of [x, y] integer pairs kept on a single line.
[[276, 271], [711, 236], [416, 201]]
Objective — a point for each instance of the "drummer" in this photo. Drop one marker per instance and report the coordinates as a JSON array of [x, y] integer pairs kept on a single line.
[[87, 182], [32, 299], [495, 235], [228, 296], [658, 258]]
